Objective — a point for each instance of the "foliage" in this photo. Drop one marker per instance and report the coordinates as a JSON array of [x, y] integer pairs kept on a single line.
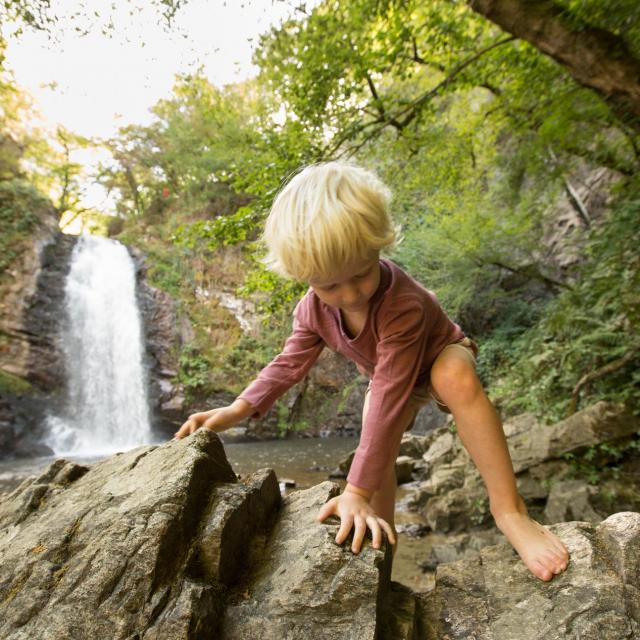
[[194, 372], [602, 461], [21, 208], [42, 16], [478, 135], [14, 385], [584, 329], [251, 353]]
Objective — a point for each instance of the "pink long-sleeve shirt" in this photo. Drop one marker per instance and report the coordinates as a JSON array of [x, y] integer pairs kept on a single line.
[[406, 329]]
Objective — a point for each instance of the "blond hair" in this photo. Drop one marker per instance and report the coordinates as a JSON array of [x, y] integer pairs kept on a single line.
[[327, 216]]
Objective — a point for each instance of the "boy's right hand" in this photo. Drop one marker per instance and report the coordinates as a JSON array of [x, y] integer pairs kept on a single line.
[[216, 419]]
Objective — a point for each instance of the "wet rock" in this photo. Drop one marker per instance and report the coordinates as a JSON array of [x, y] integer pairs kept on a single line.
[[31, 310], [165, 333]]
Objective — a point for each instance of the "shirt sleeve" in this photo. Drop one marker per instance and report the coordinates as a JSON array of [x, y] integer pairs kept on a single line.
[[400, 351], [300, 352]]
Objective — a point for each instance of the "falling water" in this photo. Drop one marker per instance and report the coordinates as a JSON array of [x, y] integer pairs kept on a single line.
[[106, 407]]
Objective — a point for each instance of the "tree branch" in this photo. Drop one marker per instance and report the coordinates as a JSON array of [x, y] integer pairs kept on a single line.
[[596, 58]]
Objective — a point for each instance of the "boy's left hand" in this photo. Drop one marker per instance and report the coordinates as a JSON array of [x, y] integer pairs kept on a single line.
[[355, 511]]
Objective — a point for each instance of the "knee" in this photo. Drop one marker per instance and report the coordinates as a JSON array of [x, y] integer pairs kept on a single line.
[[455, 380]]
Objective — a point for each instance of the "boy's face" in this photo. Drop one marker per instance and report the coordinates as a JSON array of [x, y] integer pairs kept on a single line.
[[352, 288]]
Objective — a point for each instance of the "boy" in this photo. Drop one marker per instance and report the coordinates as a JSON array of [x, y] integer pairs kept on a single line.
[[327, 227]]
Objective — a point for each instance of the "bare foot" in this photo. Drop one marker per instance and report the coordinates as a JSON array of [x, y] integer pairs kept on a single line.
[[542, 551]]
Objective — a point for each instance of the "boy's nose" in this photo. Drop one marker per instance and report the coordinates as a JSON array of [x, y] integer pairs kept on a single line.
[[351, 296]]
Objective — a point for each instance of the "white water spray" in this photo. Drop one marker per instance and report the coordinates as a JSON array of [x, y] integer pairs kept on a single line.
[[106, 408]]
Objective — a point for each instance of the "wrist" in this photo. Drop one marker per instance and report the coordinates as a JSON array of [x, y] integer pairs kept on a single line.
[[364, 493]]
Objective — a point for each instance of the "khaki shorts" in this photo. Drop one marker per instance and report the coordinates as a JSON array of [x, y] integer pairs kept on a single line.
[[423, 395]]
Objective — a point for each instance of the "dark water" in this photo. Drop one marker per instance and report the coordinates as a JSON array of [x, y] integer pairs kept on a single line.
[[306, 461]]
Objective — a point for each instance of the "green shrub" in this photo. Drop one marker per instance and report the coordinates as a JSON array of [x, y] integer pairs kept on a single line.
[[20, 206]]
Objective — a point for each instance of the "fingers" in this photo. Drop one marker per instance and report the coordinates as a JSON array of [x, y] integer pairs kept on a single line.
[[188, 427], [327, 510], [345, 526], [376, 532], [360, 528], [388, 530]]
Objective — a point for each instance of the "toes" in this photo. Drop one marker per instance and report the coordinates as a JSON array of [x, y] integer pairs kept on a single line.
[[543, 573]]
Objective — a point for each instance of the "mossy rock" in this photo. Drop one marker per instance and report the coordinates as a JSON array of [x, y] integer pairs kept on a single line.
[[14, 385]]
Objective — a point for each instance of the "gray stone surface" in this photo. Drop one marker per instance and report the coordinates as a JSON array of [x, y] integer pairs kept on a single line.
[[494, 597], [160, 542], [163, 543], [451, 495], [309, 587]]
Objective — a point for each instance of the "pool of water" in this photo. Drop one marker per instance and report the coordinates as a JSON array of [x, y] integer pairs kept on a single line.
[[306, 461]]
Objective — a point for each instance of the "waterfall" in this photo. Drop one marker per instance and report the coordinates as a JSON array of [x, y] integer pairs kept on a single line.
[[106, 407]]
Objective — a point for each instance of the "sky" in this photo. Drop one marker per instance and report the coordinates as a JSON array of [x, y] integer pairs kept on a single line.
[[93, 84]]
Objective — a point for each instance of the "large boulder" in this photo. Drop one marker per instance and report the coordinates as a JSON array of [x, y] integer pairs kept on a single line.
[[163, 542]]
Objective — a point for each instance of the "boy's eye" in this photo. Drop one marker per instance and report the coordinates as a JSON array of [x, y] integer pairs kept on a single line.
[[363, 275]]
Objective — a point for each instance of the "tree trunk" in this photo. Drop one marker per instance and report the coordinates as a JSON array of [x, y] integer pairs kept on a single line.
[[595, 58]]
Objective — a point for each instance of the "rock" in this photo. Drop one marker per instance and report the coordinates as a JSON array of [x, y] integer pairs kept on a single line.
[[495, 597], [308, 586], [345, 465], [535, 482], [399, 613], [531, 444], [287, 483], [164, 543], [235, 434], [451, 548], [442, 450], [428, 419], [457, 510], [569, 500], [164, 337], [412, 445], [602, 422], [404, 469], [450, 493], [31, 309]]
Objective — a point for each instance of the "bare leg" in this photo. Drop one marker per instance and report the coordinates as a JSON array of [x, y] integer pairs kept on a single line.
[[455, 381]]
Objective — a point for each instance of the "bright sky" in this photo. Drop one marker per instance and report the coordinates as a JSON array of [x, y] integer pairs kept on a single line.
[[93, 84]]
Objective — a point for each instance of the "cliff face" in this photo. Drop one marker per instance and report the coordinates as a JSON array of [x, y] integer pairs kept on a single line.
[[164, 542], [165, 331], [31, 310]]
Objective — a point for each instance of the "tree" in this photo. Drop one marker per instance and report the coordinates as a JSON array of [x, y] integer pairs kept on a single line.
[[594, 56]]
